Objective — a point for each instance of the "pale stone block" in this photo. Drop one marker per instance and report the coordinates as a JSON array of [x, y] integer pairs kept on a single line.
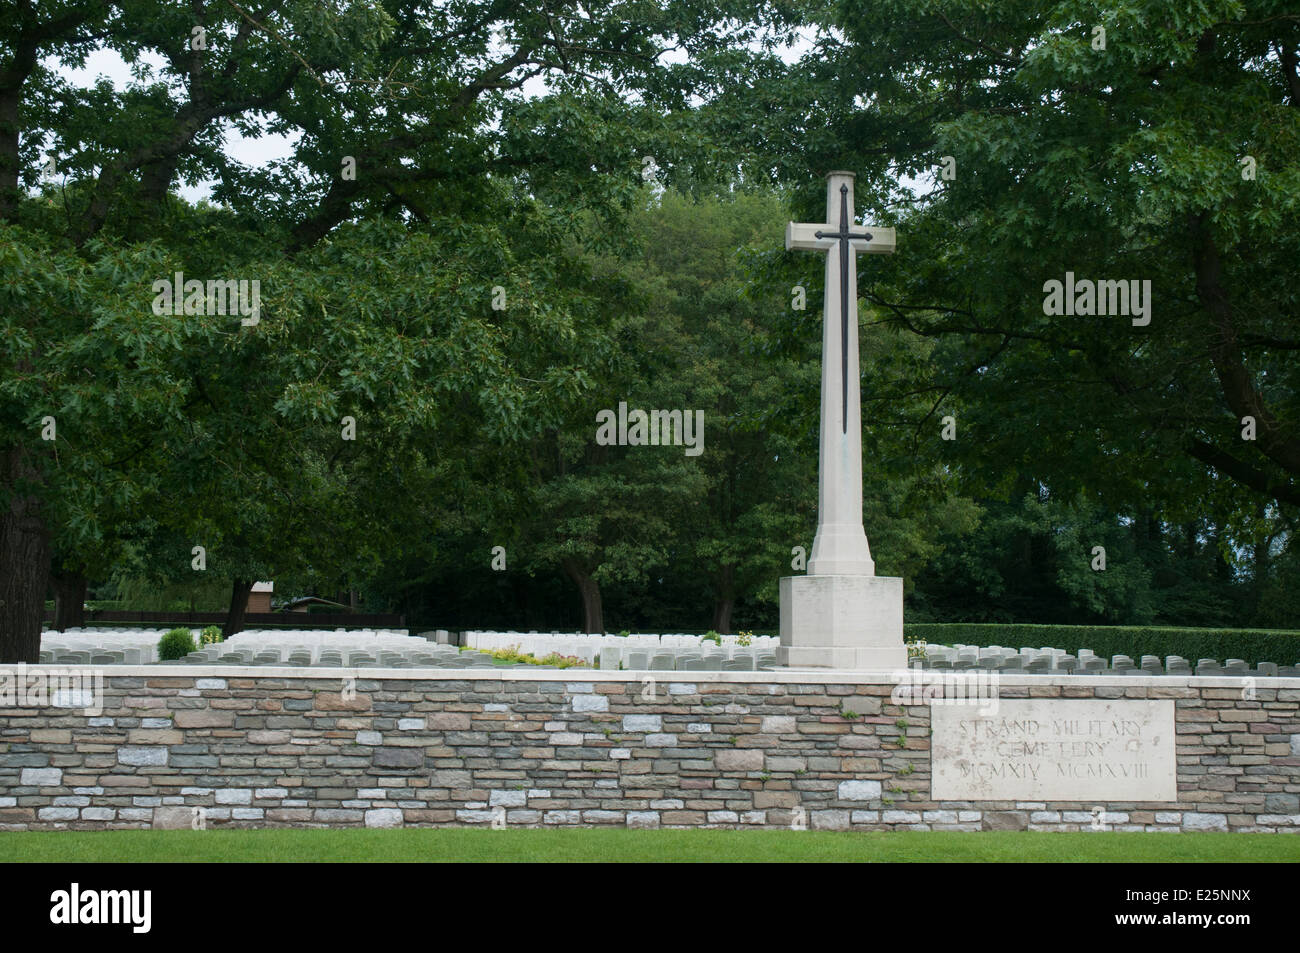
[[57, 814], [778, 725], [386, 817], [740, 759], [829, 820], [859, 790], [643, 723], [40, 777], [901, 817], [142, 757], [172, 818]]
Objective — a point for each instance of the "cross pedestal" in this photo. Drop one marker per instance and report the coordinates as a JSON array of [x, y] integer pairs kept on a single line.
[[841, 614]]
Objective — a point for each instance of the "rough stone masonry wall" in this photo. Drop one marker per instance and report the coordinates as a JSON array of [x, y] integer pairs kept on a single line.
[[266, 748]]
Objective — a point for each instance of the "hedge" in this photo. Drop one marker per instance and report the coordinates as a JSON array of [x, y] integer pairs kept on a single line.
[[1251, 645]]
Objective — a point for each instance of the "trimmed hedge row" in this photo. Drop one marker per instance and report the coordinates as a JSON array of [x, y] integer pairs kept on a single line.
[[1251, 645]]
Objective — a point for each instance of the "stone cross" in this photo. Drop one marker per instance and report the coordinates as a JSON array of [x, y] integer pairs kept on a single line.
[[840, 547]]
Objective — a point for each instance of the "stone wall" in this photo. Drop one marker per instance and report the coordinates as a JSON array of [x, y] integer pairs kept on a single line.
[[289, 747]]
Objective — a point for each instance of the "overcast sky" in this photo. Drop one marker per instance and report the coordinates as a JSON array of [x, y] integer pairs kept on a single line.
[[268, 148]]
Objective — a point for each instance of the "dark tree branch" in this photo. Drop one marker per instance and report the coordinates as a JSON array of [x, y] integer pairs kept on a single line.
[[1225, 354], [1243, 473]]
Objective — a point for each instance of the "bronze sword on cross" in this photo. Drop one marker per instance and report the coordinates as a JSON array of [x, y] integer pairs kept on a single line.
[[817, 237], [842, 238]]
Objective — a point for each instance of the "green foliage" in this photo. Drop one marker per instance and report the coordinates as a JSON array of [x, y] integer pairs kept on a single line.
[[512, 654], [211, 635], [1252, 645], [175, 644], [475, 426], [197, 592]]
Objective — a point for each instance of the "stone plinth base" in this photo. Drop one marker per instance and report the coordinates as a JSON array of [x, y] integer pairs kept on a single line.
[[842, 622]]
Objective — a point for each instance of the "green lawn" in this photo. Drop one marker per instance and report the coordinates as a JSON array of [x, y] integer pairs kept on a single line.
[[463, 844]]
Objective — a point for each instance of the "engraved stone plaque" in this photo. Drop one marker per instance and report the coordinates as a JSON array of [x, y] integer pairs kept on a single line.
[[1053, 749]]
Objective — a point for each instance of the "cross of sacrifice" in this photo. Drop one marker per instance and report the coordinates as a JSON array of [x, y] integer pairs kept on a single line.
[[841, 544]]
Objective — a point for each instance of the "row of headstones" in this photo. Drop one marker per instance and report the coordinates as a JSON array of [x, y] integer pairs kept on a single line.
[[139, 646], [296, 657], [425, 656], [588, 646], [613, 657], [416, 653], [1048, 660]]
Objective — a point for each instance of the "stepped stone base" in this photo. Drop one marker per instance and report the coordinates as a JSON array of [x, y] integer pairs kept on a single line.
[[842, 622]]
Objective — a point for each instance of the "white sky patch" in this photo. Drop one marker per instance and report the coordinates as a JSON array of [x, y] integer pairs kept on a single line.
[[108, 64], [260, 151]]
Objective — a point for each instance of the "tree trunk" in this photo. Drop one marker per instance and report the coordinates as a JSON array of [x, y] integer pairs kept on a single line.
[[238, 607], [724, 599], [69, 599], [1259, 557], [593, 615], [24, 562]]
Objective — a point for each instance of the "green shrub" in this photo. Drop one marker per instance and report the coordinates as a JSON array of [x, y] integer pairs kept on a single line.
[[712, 636], [177, 643], [561, 661], [512, 654], [210, 636], [1251, 645]]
